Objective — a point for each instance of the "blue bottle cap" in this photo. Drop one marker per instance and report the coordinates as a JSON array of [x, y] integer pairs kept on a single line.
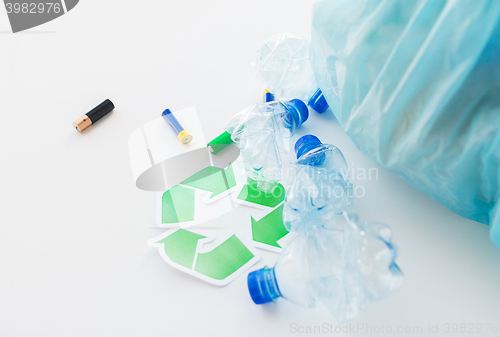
[[298, 111], [306, 143], [318, 102], [262, 286]]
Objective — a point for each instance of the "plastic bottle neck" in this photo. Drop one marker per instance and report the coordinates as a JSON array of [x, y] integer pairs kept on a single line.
[[308, 143], [297, 113], [262, 286]]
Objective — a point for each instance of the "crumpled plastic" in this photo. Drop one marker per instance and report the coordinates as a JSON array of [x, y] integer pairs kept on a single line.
[[345, 265], [315, 193], [282, 66], [418, 84], [261, 132], [345, 268], [252, 130]]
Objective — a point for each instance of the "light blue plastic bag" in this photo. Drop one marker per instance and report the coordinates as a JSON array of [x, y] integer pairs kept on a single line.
[[418, 85]]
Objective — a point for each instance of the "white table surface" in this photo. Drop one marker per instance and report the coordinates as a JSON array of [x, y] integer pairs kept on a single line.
[[73, 254]]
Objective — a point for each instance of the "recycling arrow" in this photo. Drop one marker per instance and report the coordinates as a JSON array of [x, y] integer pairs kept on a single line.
[[180, 248], [250, 193], [270, 229], [183, 205], [224, 260], [212, 179], [177, 205]]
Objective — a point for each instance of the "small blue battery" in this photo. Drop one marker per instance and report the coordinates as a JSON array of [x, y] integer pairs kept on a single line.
[[184, 136]]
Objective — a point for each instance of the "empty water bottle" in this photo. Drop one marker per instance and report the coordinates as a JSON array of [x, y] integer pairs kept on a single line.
[[261, 131], [224, 139], [344, 268], [318, 185], [282, 66]]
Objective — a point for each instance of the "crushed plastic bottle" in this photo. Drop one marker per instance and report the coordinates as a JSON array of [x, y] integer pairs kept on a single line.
[[343, 268], [345, 265], [261, 131], [283, 67], [318, 186]]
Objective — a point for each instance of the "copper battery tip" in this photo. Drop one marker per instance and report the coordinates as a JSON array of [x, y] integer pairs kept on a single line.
[[82, 123], [93, 115]]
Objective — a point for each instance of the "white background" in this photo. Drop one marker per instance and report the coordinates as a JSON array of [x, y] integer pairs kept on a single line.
[[73, 254]]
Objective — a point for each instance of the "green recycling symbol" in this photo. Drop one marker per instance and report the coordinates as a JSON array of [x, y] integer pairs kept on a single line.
[[207, 195]]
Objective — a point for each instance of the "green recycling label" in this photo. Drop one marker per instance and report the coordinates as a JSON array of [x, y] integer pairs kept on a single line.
[[207, 195]]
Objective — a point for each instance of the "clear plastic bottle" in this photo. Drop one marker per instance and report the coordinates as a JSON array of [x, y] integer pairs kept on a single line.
[[283, 67], [318, 185], [344, 268], [261, 131]]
